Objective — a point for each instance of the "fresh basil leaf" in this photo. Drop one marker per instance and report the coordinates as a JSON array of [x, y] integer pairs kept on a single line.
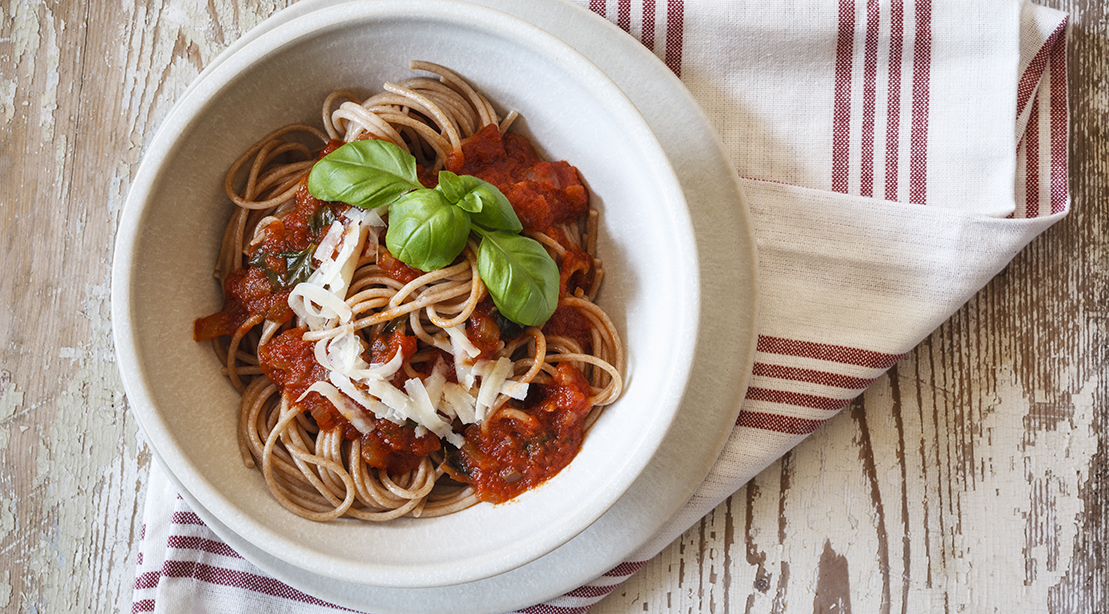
[[425, 231], [488, 207], [365, 174], [520, 275], [454, 188]]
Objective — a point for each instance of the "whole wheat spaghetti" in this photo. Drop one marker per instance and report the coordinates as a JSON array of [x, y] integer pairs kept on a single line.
[[373, 390]]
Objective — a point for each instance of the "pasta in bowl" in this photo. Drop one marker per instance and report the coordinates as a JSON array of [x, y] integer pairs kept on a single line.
[[373, 389], [187, 400]]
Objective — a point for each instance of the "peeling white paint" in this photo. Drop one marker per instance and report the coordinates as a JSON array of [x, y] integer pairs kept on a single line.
[[5, 589], [25, 37], [7, 517], [91, 454], [48, 100], [118, 183], [70, 353], [7, 100], [11, 399], [1032, 489]]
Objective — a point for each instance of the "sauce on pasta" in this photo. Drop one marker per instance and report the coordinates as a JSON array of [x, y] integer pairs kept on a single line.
[[335, 408]]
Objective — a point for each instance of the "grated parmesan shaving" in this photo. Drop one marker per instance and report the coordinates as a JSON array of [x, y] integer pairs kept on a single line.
[[351, 413], [432, 404]]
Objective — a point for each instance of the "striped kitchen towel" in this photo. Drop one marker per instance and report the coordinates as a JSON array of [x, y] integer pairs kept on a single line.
[[896, 155]]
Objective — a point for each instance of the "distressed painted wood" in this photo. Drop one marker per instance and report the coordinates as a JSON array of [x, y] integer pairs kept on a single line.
[[971, 479], [83, 85]]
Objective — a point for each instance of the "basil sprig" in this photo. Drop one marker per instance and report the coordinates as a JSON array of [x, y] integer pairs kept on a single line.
[[520, 276], [428, 227], [366, 174], [425, 230], [298, 266], [487, 206]]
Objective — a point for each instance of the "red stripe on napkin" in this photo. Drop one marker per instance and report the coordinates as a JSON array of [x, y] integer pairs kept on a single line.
[[192, 542], [776, 423], [648, 32], [1035, 71], [841, 105], [186, 518], [590, 591], [1043, 146], [798, 399], [148, 580], [893, 104], [811, 376], [238, 579], [922, 67], [1060, 194], [545, 608], [675, 23], [870, 93], [1032, 166], [822, 351]]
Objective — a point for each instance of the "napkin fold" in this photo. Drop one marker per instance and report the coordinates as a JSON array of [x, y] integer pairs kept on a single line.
[[895, 154]]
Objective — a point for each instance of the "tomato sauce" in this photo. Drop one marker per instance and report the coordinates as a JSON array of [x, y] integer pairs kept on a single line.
[[395, 447], [542, 193], [395, 268], [510, 456], [569, 322], [290, 362], [247, 291], [575, 271], [386, 345], [483, 331]]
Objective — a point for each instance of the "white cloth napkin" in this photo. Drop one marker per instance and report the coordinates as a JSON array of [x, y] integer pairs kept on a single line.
[[896, 155]]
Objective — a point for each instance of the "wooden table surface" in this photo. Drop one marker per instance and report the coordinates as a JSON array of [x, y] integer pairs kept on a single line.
[[973, 478]]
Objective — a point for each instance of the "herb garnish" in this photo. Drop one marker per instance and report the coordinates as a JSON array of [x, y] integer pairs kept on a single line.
[[321, 218], [298, 266], [365, 174], [428, 227]]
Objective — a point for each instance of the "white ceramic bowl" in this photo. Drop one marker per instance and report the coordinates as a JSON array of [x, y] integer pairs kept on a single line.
[[176, 210]]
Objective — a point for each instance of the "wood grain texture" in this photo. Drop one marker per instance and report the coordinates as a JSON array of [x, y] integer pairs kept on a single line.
[[973, 478], [83, 85]]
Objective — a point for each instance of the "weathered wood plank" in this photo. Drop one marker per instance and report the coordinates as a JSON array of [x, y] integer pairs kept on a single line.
[[82, 88]]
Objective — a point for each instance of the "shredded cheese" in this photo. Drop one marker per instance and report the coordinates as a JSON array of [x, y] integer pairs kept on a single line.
[[491, 383], [355, 386], [462, 403], [351, 413]]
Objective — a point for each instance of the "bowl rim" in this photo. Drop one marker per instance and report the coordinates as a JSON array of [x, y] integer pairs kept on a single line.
[[136, 379]]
